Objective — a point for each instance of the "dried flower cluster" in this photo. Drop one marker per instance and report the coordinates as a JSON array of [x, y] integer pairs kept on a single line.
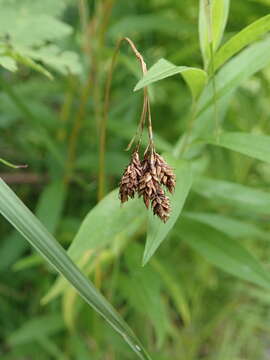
[[146, 178], [130, 179]]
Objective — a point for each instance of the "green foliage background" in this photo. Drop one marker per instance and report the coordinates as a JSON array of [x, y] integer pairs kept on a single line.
[[204, 293]]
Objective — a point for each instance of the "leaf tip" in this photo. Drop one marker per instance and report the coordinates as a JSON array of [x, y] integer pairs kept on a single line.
[[146, 258], [137, 87]]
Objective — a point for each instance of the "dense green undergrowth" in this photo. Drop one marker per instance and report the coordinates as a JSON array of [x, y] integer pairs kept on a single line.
[[193, 288]]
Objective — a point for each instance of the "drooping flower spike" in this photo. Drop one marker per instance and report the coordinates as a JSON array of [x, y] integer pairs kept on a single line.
[[149, 177]]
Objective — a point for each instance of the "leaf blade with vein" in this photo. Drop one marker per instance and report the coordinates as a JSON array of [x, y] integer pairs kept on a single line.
[[157, 231], [252, 145], [213, 17], [100, 226], [195, 78], [242, 39], [12, 208], [237, 195], [223, 252]]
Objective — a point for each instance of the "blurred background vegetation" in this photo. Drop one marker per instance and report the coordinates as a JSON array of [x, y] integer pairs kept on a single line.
[[180, 305]]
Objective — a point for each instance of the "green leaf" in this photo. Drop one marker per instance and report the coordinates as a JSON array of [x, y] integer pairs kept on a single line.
[[34, 8], [51, 348], [30, 227], [12, 247], [31, 30], [157, 231], [35, 328], [18, 56], [101, 226], [150, 22], [64, 62], [231, 76], [27, 25], [27, 61], [51, 204], [8, 63], [174, 288], [48, 211], [195, 78], [241, 196], [224, 252], [28, 262], [143, 290], [9, 164], [253, 145], [243, 38], [212, 22], [228, 225], [105, 221]]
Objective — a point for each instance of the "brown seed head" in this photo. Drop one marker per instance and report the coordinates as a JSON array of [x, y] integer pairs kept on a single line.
[[161, 204], [165, 173], [149, 181], [130, 179]]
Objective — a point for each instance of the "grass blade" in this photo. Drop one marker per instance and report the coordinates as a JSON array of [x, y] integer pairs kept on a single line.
[[224, 252], [212, 21], [46, 325], [174, 289], [244, 197], [13, 209], [50, 204], [232, 227], [242, 39], [232, 74], [253, 145], [101, 225]]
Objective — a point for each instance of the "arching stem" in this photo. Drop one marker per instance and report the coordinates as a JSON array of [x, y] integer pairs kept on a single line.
[[103, 125]]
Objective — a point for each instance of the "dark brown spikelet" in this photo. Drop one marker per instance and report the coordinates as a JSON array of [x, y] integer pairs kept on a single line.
[[161, 204], [149, 181], [164, 173], [130, 179]]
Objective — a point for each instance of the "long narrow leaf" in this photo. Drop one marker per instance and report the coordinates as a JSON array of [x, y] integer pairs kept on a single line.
[[224, 252], [229, 226], [157, 231], [231, 76], [103, 224], [50, 205], [30, 227], [212, 21], [33, 329], [253, 145], [242, 39], [237, 195], [174, 288]]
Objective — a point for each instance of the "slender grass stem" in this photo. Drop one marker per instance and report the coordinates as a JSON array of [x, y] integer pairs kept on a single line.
[[66, 108], [77, 125], [185, 143], [13, 166], [84, 16], [214, 88], [208, 11], [139, 131]]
